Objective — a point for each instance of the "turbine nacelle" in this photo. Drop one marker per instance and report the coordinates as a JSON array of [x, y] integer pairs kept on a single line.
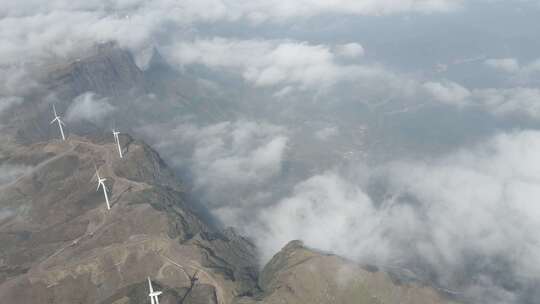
[[155, 293], [101, 183], [57, 118]]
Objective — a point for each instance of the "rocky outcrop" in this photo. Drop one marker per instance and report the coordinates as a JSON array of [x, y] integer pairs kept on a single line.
[[298, 274], [106, 70]]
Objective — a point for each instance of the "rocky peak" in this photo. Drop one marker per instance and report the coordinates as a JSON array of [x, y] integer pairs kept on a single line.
[[298, 274], [106, 69], [157, 61]]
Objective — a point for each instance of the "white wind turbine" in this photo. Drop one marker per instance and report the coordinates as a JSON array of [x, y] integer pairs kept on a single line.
[[101, 182], [153, 294], [117, 140], [60, 123]]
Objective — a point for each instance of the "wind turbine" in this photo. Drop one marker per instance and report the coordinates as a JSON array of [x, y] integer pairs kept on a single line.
[[101, 182], [60, 122], [117, 140], [153, 294]]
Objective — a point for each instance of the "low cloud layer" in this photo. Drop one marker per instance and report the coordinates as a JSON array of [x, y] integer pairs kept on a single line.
[[236, 153], [326, 212], [449, 92], [229, 161], [267, 63], [89, 107], [513, 66], [289, 66], [474, 205], [466, 220], [8, 102], [518, 101], [16, 81], [42, 29], [350, 50], [510, 65], [263, 11]]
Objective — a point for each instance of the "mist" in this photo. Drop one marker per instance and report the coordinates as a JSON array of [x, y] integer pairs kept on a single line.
[[9, 173], [87, 107]]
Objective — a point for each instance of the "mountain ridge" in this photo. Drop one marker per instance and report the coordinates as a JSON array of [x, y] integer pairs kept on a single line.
[[61, 245]]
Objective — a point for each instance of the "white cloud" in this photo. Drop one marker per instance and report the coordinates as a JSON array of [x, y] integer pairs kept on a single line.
[[228, 160], [532, 67], [350, 50], [512, 66], [236, 153], [268, 63], [481, 201], [90, 108], [263, 10], [474, 204], [8, 102], [327, 213], [39, 31], [499, 102], [326, 133], [448, 92], [40, 28], [16, 80], [264, 62], [509, 65]]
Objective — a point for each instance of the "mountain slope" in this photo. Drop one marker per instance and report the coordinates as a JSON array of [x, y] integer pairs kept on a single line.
[[61, 245]]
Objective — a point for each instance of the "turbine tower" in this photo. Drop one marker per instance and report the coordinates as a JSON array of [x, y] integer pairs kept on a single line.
[[117, 140], [101, 182], [60, 123], [153, 294]]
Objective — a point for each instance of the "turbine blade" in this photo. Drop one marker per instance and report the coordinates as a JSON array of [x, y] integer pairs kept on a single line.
[[106, 197], [97, 172], [96, 175], [150, 285]]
